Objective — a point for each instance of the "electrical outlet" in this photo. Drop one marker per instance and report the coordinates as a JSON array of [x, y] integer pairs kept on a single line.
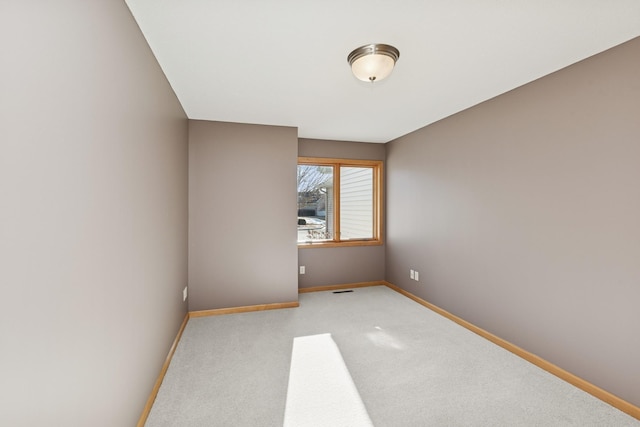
[[184, 294], [302, 269], [417, 276], [412, 274]]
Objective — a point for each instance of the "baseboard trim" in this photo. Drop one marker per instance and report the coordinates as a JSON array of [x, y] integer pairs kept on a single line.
[[243, 309], [156, 387], [338, 287], [582, 384]]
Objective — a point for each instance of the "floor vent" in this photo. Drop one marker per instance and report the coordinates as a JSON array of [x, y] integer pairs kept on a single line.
[[342, 292]]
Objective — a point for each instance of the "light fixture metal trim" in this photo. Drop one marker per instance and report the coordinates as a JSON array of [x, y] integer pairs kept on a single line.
[[373, 52]]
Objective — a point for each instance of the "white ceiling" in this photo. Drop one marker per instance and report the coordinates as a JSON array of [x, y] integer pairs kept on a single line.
[[284, 62]]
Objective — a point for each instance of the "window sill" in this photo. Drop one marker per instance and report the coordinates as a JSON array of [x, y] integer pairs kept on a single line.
[[339, 244]]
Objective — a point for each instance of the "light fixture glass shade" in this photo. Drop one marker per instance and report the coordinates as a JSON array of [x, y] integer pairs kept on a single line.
[[373, 62], [372, 67]]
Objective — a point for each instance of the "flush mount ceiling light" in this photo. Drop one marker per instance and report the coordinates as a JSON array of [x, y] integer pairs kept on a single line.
[[373, 62]]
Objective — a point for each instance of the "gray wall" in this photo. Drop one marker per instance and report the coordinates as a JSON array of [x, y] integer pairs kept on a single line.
[[93, 215], [521, 215], [242, 198], [335, 266]]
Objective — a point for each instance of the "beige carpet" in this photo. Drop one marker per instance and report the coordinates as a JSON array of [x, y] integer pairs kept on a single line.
[[406, 365]]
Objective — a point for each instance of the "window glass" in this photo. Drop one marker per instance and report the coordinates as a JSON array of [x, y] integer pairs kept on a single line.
[[315, 203], [356, 203]]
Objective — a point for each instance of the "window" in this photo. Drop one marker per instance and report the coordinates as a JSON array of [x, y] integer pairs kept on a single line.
[[339, 202]]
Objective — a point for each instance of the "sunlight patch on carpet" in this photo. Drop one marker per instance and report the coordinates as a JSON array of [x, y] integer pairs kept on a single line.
[[381, 338], [321, 391]]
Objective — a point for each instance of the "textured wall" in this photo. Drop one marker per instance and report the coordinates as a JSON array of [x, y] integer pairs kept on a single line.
[[334, 266], [521, 215], [242, 198], [93, 215]]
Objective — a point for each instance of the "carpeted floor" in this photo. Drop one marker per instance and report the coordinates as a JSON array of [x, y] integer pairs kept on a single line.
[[409, 365]]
